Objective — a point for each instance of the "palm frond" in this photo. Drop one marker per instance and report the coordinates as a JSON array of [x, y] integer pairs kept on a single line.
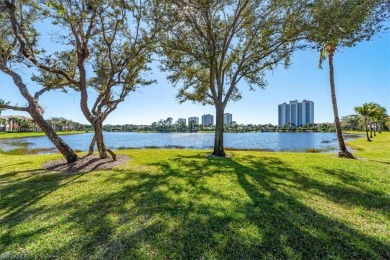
[[323, 55]]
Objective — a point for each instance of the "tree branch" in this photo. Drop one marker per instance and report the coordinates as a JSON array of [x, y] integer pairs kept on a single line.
[[16, 108]]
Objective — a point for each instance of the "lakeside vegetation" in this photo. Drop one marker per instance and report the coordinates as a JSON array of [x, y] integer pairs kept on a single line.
[[349, 123], [5, 135], [183, 204]]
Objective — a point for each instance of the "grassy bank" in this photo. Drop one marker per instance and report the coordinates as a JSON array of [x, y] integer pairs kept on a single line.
[[182, 204], [4, 135], [377, 150]]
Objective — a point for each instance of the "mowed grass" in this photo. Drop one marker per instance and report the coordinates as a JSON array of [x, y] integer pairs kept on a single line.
[[376, 150], [5, 135], [181, 204]]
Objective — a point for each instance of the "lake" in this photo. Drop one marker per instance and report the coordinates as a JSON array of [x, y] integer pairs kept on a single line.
[[264, 141]]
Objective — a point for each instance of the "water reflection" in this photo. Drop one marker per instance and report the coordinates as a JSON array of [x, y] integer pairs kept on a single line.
[[263, 141]]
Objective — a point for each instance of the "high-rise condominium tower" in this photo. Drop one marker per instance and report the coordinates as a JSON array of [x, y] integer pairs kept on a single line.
[[207, 120], [296, 113]]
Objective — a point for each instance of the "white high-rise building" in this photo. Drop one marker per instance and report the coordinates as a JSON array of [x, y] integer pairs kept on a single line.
[[207, 120], [227, 118], [307, 112], [194, 119], [296, 113]]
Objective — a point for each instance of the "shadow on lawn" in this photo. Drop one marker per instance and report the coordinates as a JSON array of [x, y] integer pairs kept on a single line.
[[175, 212], [18, 194]]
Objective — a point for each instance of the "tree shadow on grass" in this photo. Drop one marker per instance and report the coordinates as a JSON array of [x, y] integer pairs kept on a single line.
[[197, 207], [351, 191], [18, 196], [377, 161]]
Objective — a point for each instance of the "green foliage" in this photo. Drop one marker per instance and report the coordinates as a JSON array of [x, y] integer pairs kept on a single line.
[[366, 110], [351, 122], [211, 46], [373, 112], [344, 23], [105, 46]]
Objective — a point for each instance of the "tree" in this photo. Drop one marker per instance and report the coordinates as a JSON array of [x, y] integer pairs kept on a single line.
[[106, 46], [351, 122], [372, 107], [379, 116], [210, 46], [386, 122], [366, 112], [343, 23], [9, 54], [180, 126]]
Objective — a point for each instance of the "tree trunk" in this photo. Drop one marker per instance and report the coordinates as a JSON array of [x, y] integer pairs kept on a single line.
[[98, 128], [218, 141], [375, 127], [64, 149], [35, 111], [370, 128], [92, 145], [365, 124], [343, 153]]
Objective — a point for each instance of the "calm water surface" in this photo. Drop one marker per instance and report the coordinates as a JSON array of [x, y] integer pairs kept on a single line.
[[268, 141]]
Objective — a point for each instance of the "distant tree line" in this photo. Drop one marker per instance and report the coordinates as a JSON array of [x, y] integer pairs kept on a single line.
[[23, 124], [351, 122], [373, 117]]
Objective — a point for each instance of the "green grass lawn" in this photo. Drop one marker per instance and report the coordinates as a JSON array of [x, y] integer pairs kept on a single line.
[[168, 204], [377, 150], [5, 135]]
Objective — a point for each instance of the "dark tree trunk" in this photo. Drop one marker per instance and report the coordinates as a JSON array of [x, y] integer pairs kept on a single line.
[[375, 127], [343, 153], [365, 124], [64, 149], [98, 128], [218, 141], [92, 145], [35, 111], [98, 138], [370, 128]]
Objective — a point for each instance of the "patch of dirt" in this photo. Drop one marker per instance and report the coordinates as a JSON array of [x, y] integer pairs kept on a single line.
[[85, 164]]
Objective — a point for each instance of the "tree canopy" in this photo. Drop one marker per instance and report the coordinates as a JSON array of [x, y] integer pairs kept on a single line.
[[210, 46], [105, 47]]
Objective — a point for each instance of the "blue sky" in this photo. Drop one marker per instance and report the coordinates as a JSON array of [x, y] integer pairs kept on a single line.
[[362, 74]]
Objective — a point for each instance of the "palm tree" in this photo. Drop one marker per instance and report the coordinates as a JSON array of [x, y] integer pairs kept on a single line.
[[328, 50], [343, 23], [366, 112], [372, 108], [379, 113]]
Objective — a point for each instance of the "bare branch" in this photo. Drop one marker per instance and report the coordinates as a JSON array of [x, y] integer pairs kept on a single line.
[[16, 108]]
